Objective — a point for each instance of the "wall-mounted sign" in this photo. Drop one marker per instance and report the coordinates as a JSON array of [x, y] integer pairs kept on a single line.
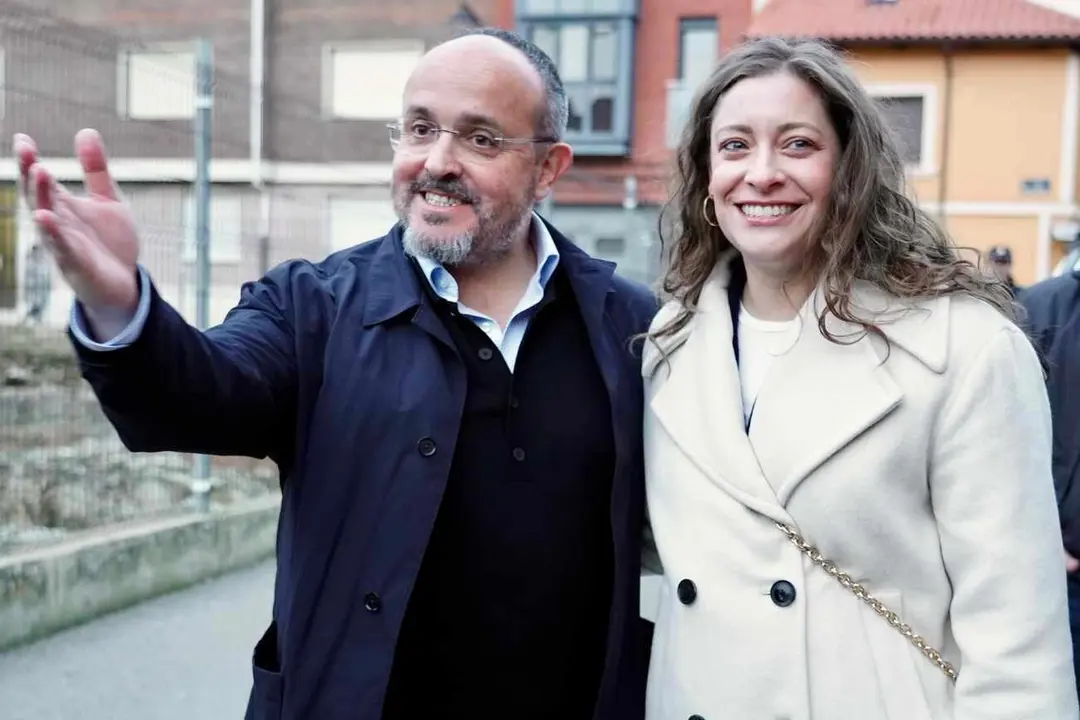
[[1035, 186]]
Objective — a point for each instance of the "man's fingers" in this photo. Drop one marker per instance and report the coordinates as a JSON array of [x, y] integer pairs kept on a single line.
[[90, 150], [25, 151], [42, 189]]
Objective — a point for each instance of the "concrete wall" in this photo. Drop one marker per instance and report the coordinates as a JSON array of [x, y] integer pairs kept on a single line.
[[52, 588]]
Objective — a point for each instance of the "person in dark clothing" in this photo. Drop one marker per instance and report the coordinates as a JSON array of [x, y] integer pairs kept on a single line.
[[456, 410], [1052, 308], [1001, 265]]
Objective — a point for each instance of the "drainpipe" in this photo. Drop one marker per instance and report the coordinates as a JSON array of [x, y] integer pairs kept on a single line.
[[946, 133], [256, 120]]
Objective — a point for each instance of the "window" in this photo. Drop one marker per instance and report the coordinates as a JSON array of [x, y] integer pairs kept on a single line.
[[592, 43], [905, 116], [226, 228], [699, 45], [590, 65], [353, 221], [909, 111], [157, 84], [572, 7], [366, 82]]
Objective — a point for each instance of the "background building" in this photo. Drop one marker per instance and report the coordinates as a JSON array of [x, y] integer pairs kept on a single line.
[[983, 96], [303, 90]]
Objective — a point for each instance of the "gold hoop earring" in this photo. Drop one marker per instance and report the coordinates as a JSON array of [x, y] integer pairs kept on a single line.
[[705, 211]]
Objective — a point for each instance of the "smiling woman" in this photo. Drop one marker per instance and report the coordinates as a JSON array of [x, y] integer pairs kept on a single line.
[[846, 434]]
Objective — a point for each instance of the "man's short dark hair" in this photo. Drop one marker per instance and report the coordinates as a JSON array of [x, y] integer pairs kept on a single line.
[[552, 123]]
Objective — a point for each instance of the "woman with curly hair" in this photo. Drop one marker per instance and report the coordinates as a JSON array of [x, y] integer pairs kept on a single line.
[[848, 443]]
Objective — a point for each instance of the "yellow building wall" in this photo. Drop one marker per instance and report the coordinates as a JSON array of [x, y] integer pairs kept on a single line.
[[1020, 233], [1005, 113], [906, 67]]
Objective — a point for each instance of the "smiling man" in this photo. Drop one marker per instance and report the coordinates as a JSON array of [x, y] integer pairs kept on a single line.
[[455, 409]]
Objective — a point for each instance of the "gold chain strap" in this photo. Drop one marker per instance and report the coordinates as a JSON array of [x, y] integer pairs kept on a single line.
[[860, 592]]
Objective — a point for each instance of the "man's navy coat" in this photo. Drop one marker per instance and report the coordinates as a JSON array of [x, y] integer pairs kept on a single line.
[[1053, 321], [342, 374]]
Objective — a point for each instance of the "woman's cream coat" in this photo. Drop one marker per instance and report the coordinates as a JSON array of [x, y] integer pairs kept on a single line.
[[923, 471]]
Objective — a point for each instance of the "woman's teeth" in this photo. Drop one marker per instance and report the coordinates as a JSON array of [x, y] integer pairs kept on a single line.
[[766, 210]]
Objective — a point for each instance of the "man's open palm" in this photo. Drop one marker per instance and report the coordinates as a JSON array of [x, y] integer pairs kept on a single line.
[[93, 238]]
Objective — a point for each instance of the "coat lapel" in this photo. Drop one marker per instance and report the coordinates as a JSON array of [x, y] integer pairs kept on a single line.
[[816, 399], [822, 395], [699, 403], [590, 279]]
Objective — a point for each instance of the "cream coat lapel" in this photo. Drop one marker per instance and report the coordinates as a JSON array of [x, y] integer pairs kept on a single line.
[[699, 403], [820, 396]]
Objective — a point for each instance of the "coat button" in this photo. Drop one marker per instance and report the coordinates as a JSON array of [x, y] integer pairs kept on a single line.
[[782, 593], [485, 353], [519, 454], [372, 602], [426, 447], [687, 592]]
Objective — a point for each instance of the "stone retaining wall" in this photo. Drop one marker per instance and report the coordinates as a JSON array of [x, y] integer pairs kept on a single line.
[[52, 588]]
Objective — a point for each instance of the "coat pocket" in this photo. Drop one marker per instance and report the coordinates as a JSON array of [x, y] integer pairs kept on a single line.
[[264, 702], [894, 657]]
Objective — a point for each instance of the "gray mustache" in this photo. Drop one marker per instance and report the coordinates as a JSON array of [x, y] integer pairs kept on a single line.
[[447, 187]]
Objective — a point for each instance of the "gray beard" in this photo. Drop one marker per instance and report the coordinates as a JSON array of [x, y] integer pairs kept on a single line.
[[465, 249], [449, 253]]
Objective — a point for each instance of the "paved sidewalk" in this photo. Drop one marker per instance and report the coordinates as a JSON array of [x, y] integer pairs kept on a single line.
[[184, 656]]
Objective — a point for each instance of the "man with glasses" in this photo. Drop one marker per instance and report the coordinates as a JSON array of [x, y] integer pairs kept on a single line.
[[456, 410]]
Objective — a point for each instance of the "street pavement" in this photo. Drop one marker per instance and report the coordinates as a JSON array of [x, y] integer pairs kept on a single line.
[[185, 656]]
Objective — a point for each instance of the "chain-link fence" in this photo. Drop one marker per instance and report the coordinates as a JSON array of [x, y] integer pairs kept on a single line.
[[62, 467]]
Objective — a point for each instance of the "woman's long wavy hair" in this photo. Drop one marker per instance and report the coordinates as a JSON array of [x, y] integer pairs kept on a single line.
[[869, 230]]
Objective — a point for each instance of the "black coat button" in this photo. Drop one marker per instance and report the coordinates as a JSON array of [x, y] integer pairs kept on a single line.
[[782, 593], [372, 602], [485, 353], [519, 454], [426, 447], [687, 592]]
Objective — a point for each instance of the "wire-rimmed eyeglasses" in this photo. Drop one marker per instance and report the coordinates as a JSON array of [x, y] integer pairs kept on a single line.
[[419, 136]]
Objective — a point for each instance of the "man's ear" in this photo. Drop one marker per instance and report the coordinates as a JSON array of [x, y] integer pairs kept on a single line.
[[558, 160]]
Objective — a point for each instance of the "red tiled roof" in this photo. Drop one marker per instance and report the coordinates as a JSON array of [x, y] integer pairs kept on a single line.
[[914, 20]]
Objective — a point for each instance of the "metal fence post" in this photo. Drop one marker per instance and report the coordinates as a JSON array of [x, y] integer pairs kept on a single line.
[[204, 100]]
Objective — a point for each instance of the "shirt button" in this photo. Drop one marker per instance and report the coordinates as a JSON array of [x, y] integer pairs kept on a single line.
[[372, 603], [485, 353], [687, 592], [426, 447], [782, 593], [519, 454]]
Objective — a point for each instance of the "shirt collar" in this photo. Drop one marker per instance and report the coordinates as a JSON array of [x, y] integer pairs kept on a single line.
[[547, 260]]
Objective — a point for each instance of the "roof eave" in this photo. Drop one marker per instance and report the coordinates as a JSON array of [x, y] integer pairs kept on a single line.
[[924, 41]]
